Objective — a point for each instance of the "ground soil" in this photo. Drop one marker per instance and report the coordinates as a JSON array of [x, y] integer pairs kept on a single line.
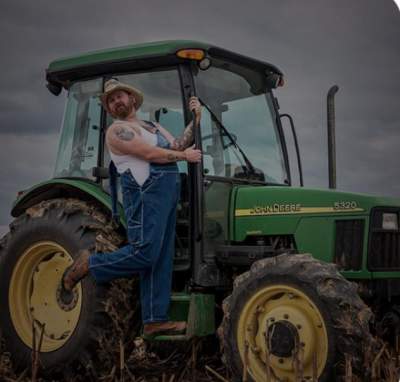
[[122, 355]]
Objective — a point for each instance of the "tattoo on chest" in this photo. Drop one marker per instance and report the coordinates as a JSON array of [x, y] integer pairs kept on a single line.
[[124, 133]]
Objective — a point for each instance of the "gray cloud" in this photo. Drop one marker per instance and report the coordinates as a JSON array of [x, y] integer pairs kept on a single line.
[[27, 160], [316, 43]]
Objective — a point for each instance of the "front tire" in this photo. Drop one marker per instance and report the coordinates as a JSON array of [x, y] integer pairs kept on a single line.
[[295, 318], [33, 256]]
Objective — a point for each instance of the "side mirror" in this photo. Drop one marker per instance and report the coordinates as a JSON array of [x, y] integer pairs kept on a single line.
[[53, 88]]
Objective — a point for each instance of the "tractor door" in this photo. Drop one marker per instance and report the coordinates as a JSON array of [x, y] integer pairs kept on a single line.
[[242, 146]]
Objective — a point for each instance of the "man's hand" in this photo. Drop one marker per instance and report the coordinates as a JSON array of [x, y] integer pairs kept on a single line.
[[192, 155], [195, 105]]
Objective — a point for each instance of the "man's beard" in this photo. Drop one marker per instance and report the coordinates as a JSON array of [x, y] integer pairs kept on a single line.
[[122, 111]]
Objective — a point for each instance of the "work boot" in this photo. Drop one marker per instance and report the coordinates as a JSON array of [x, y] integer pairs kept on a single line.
[[73, 274], [167, 328]]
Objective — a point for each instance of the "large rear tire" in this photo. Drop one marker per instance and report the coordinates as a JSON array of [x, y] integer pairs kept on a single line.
[[295, 318], [33, 256]]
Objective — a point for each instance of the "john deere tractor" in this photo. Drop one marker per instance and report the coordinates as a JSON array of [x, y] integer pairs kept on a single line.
[[295, 281]]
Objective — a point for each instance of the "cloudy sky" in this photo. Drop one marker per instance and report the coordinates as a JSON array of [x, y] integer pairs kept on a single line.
[[316, 43]]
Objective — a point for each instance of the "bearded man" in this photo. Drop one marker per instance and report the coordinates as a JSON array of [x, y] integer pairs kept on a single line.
[[145, 156]]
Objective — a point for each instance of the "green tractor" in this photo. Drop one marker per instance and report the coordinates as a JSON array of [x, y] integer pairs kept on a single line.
[[295, 281]]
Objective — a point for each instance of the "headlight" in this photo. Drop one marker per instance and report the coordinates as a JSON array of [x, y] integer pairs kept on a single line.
[[390, 221]]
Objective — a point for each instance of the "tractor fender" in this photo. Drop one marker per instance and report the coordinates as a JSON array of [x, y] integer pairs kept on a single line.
[[82, 189]]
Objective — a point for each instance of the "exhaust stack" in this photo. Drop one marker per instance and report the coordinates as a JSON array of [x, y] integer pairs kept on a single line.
[[331, 136]]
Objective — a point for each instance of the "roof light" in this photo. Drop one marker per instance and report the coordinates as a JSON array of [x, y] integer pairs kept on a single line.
[[191, 54]]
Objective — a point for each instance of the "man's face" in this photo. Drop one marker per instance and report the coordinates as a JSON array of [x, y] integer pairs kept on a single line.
[[120, 104]]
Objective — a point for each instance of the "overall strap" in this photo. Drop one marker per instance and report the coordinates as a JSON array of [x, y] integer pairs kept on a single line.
[[150, 127], [114, 191], [161, 140]]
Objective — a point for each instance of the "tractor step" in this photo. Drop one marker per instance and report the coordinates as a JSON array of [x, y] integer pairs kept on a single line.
[[197, 310], [174, 337]]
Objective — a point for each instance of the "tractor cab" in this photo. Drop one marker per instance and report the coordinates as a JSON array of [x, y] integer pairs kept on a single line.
[[236, 95], [240, 133]]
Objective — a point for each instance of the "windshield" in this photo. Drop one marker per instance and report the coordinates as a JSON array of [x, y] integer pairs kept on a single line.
[[238, 99], [79, 141]]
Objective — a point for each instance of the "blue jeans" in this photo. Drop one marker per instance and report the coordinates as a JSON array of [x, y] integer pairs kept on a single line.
[[150, 212]]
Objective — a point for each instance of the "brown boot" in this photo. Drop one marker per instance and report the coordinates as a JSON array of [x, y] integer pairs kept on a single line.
[[76, 272], [168, 328]]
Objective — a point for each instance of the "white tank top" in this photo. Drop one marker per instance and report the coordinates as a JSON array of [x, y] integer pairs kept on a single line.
[[140, 169]]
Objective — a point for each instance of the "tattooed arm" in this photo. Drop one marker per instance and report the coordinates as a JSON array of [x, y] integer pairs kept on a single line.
[[181, 143], [121, 139], [187, 138]]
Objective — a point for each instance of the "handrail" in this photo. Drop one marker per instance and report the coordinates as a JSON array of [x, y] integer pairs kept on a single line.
[[289, 117]]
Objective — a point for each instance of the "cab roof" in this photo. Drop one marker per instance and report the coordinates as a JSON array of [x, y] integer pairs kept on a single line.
[[138, 56]]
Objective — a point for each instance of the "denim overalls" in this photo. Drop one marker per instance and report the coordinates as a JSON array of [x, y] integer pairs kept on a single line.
[[150, 212]]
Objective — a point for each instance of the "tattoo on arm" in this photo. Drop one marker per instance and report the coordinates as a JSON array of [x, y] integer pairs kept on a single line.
[[172, 157], [185, 140], [124, 133]]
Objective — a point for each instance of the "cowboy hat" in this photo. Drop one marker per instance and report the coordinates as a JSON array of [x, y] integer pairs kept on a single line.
[[113, 85]]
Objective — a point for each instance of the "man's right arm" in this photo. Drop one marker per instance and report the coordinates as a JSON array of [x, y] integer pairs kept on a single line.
[[123, 140]]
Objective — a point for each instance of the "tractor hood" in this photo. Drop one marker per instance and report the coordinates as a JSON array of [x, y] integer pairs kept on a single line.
[[286, 207]]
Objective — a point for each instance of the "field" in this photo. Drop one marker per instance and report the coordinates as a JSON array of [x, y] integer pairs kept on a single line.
[[120, 354]]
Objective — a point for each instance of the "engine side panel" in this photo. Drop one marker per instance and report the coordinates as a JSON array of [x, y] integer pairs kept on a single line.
[[332, 225]]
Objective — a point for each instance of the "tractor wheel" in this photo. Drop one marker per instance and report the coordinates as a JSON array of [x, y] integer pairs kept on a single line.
[[294, 318], [33, 256]]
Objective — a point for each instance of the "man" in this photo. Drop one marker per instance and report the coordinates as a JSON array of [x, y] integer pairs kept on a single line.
[[145, 155]]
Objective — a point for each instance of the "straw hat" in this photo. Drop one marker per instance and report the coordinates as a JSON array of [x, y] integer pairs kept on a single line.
[[113, 85]]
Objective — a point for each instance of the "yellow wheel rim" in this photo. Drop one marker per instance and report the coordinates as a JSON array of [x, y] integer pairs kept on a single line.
[[33, 296], [282, 309]]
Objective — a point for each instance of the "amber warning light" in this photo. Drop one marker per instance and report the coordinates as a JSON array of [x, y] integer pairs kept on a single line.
[[191, 54]]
